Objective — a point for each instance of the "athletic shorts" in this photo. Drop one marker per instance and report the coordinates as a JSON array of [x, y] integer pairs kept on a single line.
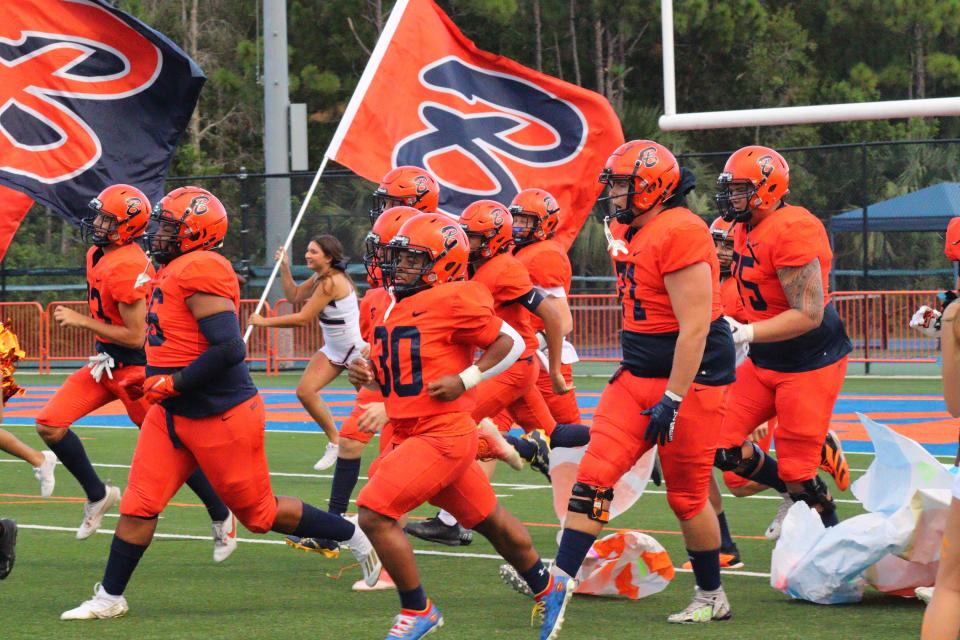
[[81, 395]]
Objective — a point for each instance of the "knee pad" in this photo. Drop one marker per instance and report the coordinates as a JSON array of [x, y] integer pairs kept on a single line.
[[731, 459], [815, 492], [594, 502]]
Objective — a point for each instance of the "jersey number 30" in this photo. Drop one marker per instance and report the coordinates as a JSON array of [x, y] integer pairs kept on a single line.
[[399, 351]]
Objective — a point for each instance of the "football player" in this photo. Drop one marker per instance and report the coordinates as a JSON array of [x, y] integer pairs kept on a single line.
[[798, 346], [406, 186], [119, 282], [677, 362], [489, 228], [205, 410], [422, 359]]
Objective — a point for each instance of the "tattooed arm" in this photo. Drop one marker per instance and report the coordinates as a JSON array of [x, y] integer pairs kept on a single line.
[[803, 288]]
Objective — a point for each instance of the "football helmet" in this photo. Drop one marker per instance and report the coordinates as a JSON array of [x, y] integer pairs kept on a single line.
[[492, 223], [652, 173], [429, 249], [722, 232], [539, 205], [408, 187], [123, 213], [186, 219], [758, 177], [383, 231], [951, 247]]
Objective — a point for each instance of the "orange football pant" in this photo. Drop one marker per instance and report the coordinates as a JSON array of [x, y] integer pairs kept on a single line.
[[803, 403], [351, 426], [515, 391], [617, 439], [81, 395]]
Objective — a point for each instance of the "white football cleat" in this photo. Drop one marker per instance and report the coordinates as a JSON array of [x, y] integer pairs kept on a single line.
[[93, 512], [493, 446], [329, 457], [224, 537], [102, 606], [44, 473], [773, 531], [706, 607], [384, 583], [366, 555], [924, 594]]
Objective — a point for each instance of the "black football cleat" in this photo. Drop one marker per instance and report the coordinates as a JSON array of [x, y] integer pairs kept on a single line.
[[434, 530], [8, 547]]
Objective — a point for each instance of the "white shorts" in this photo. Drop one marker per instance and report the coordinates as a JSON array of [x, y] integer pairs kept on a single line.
[[341, 346]]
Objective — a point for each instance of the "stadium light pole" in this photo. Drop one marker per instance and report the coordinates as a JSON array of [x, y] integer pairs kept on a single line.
[[276, 140]]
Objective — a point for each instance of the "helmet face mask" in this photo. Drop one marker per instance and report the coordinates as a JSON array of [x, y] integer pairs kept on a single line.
[[626, 187], [753, 178], [489, 229], [100, 230], [120, 214], [736, 199], [640, 175], [428, 250], [187, 219], [526, 227], [165, 237], [406, 186], [536, 216]]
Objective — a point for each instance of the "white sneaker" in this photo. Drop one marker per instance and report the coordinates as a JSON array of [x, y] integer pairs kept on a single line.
[[366, 555], [93, 512], [773, 531], [329, 457], [101, 606], [44, 473], [924, 594], [706, 606], [224, 537]]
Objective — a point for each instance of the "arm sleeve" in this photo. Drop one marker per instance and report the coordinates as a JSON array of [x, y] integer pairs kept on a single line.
[[226, 350], [207, 274], [530, 300], [472, 313], [800, 242], [685, 245]]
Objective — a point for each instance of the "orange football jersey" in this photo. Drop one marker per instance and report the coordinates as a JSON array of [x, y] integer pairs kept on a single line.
[[112, 279], [174, 338], [673, 240], [730, 300], [507, 279], [426, 336], [549, 268]]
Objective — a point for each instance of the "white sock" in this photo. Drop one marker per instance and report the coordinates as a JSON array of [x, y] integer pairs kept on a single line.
[[446, 518], [109, 597]]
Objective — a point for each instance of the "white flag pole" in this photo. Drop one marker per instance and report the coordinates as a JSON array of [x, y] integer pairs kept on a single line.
[[355, 100]]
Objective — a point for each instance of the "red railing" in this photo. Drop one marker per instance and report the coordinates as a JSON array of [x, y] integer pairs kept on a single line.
[[876, 321]]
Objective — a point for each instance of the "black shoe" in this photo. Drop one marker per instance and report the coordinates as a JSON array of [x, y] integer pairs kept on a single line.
[[327, 548], [433, 530], [541, 461], [8, 547], [466, 537]]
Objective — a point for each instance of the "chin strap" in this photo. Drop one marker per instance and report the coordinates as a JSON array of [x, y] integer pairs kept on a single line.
[[614, 246]]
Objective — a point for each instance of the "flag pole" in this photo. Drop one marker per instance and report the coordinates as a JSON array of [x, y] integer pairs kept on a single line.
[[355, 100]]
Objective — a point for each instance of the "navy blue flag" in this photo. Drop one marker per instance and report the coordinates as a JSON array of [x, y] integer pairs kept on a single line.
[[89, 96]]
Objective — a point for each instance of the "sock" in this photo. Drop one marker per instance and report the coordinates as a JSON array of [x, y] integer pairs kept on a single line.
[[414, 599], [537, 577], [725, 540], [204, 490], [446, 518], [315, 523], [570, 435], [706, 568], [74, 457], [767, 473], [525, 448], [345, 476], [829, 519], [123, 560], [574, 546]]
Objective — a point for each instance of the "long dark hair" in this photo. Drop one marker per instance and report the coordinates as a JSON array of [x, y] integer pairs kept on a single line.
[[332, 247]]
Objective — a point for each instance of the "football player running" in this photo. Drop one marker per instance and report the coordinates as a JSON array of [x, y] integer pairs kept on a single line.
[[205, 411], [798, 346], [119, 283], [678, 359], [422, 359]]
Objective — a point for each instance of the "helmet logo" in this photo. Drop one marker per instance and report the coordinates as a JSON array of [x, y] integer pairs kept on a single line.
[[497, 217], [648, 157], [199, 205], [766, 165], [134, 206], [421, 184], [449, 236]]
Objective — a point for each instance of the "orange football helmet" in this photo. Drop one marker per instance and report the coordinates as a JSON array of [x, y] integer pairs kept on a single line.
[[652, 171], [186, 219], [123, 213], [491, 221], [722, 232], [757, 176], [406, 187], [383, 231], [542, 207], [951, 248], [429, 249]]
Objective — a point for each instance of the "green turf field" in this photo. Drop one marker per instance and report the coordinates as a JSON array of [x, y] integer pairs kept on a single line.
[[271, 591]]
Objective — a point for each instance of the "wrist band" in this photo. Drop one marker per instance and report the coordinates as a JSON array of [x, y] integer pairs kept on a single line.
[[676, 397], [471, 376]]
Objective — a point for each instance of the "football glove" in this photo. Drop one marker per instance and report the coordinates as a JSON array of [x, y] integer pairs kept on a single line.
[[159, 388], [926, 321], [742, 333], [100, 364], [663, 418]]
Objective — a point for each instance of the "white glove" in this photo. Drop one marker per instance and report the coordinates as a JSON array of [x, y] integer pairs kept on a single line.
[[100, 363], [927, 321], [742, 333]]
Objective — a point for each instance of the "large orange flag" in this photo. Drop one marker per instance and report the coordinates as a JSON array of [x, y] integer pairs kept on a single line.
[[483, 124]]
